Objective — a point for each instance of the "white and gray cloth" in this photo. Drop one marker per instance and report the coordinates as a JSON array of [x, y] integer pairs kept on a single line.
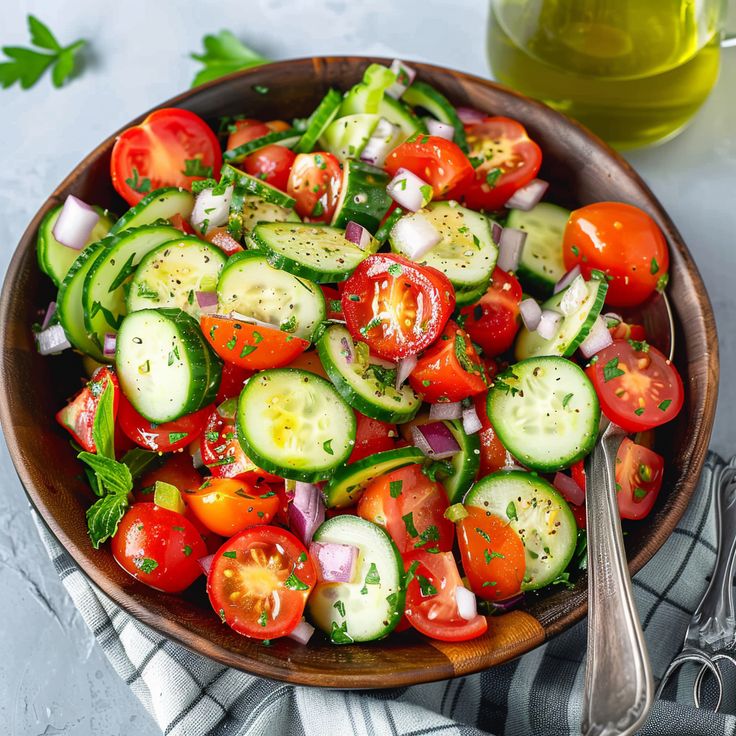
[[539, 694]]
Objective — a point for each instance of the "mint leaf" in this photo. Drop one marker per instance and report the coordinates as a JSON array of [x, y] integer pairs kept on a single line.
[[224, 54], [103, 428], [104, 516], [139, 461], [114, 476]]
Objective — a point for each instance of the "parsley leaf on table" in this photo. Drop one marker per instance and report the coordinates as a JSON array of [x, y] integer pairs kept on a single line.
[[27, 65], [224, 54]]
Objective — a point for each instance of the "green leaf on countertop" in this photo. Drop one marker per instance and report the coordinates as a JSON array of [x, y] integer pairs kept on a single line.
[[224, 54]]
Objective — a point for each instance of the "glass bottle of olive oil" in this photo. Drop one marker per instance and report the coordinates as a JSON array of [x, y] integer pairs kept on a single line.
[[634, 71]]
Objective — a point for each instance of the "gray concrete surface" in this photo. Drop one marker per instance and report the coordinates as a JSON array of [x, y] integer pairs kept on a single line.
[[53, 677]]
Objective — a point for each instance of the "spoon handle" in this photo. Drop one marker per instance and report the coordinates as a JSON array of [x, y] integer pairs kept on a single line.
[[618, 676]]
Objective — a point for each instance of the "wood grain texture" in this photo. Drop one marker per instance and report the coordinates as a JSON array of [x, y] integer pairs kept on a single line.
[[580, 168]]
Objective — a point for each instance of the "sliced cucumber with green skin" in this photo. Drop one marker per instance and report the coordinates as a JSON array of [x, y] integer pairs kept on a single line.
[[294, 423], [366, 96], [348, 483], [363, 196], [421, 94], [319, 120], [346, 137], [465, 463], [545, 412], [383, 232], [251, 286], [371, 607], [255, 210], [55, 259], [165, 367], [396, 112], [362, 385], [69, 301], [540, 516], [541, 264], [464, 297], [466, 254], [252, 185], [172, 274], [316, 252], [573, 329], [287, 138], [103, 297], [161, 204]]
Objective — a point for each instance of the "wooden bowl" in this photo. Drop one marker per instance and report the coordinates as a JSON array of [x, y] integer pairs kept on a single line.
[[580, 168]]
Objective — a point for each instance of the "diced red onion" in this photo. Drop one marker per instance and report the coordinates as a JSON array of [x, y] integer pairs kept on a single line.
[[211, 210], [75, 223], [447, 410], [375, 360], [52, 340], [347, 350], [252, 321], [404, 77], [467, 606], [406, 189], [336, 562], [613, 318], [496, 232], [549, 323], [358, 235], [528, 196], [302, 632], [509, 603], [306, 511], [289, 488], [531, 313], [509, 248], [598, 338], [108, 346], [442, 130], [206, 563], [471, 421], [206, 299], [50, 312], [406, 366], [574, 296], [567, 279], [384, 139], [470, 116], [569, 489], [416, 234], [435, 440]]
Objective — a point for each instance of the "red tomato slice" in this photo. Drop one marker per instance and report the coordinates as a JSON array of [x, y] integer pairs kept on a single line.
[[220, 236], [493, 455], [411, 508], [158, 547], [622, 241], [332, 300], [309, 361], [259, 582], [272, 164], [510, 160], [494, 321], [626, 331], [181, 224], [638, 388], [450, 370], [244, 131], [431, 607], [232, 381], [437, 161], [159, 151], [178, 470], [249, 346], [78, 416], [314, 182], [639, 473], [161, 437], [371, 436], [396, 306]]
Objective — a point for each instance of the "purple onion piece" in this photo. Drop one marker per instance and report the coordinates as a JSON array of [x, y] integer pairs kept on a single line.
[[567, 279], [446, 410], [408, 190], [569, 489], [435, 440], [496, 232], [336, 562], [442, 130], [75, 223], [598, 338], [302, 633], [306, 511], [206, 563], [470, 116], [509, 604], [509, 248], [109, 344], [531, 313], [404, 77], [528, 196], [50, 312], [406, 366], [471, 421], [347, 350], [358, 235], [549, 323], [52, 340], [206, 299], [416, 234]]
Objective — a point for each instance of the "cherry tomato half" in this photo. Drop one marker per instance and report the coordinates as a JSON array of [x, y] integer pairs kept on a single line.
[[639, 473], [493, 455], [272, 164], [314, 182], [220, 236], [232, 381], [244, 131], [259, 582], [371, 436]]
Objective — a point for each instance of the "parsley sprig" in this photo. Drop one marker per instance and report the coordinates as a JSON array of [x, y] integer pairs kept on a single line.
[[224, 54]]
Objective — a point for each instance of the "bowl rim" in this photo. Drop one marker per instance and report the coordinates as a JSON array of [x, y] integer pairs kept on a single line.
[[696, 446]]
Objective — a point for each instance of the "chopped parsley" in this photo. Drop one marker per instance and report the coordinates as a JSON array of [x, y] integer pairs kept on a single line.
[[408, 520], [425, 586], [137, 184], [327, 447], [293, 583], [653, 266], [232, 554], [611, 370], [145, 564], [339, 606], [493, 176], [195, 167], [395, 269], [566, 400], [511, 511], [483, 534], [263, 619], [663, 405], [394, 488]]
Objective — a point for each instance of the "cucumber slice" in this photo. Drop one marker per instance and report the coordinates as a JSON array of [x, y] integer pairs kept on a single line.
[[165, 367], [464, 297], [257, 210], [538, 514], [466, 254], [371, 607], [368, 388], [251, 286], [367, 95], [103, 297], [421, 94], [346, 137], [69, 301], [286, 138], [383, 232], [319, 120], [545, 412], [363, 196], [172, 274], [574, 329], [316, 252], [348, 483], [161, 204], [396, 112], [465, 463], [55, 259], [294, 424], [541, 265]]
